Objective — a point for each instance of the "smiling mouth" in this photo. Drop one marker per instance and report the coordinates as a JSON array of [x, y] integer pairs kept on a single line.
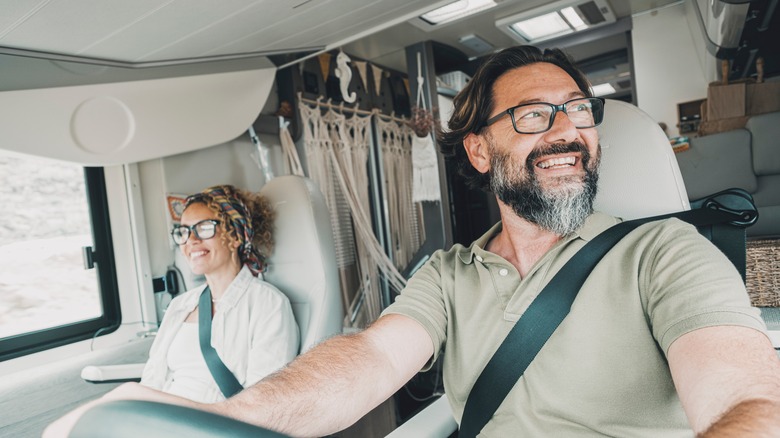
[[197, 254], [557, 163]]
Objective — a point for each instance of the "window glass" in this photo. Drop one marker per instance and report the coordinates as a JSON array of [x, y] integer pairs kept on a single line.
[[45, 222]]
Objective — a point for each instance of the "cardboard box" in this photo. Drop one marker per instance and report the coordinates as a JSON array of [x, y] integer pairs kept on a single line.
[[762, 98], [726, 101], [708, 127]]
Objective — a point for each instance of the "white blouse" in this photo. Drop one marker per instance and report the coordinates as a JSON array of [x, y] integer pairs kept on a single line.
[[190, 376], [253, 331]]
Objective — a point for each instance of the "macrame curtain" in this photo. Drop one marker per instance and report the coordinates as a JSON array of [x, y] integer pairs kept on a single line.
[[396, 143], [337, 150], [292, 161]]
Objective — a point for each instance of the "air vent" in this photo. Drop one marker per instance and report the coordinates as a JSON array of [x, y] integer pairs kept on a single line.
[[591, 13]]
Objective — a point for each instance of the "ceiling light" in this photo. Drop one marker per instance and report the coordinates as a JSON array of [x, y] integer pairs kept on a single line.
[[456, 10], [603, 89]]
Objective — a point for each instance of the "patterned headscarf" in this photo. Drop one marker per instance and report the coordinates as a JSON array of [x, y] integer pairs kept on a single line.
[[240, 218]]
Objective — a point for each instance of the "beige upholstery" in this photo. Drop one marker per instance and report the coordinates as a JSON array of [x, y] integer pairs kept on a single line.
[[303, 264], [639, 173]]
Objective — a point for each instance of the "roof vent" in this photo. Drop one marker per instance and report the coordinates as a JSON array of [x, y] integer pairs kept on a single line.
[[556, 19]]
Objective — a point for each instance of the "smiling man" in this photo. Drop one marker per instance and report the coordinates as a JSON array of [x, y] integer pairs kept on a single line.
[[660, 341]]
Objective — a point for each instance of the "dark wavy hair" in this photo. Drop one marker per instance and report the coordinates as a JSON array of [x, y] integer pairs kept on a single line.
[[475, 103]]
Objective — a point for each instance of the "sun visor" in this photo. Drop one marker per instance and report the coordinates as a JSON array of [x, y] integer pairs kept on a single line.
[[126, 122]]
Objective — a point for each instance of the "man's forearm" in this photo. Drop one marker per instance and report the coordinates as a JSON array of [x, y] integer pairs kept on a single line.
[[751, 418], [330, 387]]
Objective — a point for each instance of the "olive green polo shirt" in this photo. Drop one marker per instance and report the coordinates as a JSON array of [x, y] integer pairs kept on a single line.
[[603, 372]]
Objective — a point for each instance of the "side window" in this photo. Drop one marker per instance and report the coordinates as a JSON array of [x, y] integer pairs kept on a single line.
[[54, 225]]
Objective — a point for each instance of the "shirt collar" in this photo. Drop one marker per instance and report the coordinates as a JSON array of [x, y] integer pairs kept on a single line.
[[232, 295], [593, 226], [237, 287]]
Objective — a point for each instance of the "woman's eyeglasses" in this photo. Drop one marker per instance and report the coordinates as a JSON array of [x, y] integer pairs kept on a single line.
[[205, 229]]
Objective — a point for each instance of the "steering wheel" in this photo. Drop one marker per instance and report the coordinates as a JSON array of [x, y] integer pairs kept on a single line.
[[134, 419]]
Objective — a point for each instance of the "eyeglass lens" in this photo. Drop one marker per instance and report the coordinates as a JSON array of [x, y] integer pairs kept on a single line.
[[538, 117], [205, 229]]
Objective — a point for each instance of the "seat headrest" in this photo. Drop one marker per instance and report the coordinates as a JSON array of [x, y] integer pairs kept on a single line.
[[303, 264], [639, 174]]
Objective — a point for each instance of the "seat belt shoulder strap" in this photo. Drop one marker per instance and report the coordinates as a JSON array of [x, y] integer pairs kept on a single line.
[[227, 382], [545, 313], [533, 329]]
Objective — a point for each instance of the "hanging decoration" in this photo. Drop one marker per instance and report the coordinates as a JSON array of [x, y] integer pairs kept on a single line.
[[395, 140], [377, 72], [292, 161], [361, 68], [324, 59], [337, 149], [422, 118], [344, 73], [425, 186], [261, 155]]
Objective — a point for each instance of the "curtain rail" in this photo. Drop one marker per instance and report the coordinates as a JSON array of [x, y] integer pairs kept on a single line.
[[352, 109]]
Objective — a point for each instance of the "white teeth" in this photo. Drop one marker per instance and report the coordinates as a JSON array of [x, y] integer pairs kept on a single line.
[[569, 161], [196, 254]]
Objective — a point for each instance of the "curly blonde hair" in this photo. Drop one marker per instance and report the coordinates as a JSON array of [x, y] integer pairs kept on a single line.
[[241, 214]]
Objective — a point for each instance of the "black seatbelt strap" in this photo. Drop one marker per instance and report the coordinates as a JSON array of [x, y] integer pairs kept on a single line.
[[543, 316], [225, 379]]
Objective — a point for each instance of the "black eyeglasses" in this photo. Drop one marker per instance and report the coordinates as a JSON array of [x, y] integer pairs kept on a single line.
[[533, 118], [205, 229]]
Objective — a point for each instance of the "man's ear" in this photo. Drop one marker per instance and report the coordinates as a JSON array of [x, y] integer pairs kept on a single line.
[[477, 151]]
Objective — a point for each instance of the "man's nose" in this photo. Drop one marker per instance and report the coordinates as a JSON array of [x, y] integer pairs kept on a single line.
[[562, 130]]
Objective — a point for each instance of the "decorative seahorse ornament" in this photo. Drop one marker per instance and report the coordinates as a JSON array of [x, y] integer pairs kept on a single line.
[[344, 73]]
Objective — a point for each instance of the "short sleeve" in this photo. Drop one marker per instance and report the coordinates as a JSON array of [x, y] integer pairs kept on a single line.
[[423, 300], [688, 283]]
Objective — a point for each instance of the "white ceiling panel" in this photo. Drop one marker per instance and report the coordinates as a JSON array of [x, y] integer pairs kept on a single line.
[[16, 11], [252, 29], [148, 31], [76, 24], [175, 22]]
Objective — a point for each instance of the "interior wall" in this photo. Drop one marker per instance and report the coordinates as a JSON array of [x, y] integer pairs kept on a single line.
[[666, 64]]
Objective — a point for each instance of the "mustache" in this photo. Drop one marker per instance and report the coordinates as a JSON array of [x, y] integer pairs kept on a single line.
[[558, 148]]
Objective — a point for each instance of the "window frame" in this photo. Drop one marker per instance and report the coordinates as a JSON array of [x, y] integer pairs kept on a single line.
[[103, 256]]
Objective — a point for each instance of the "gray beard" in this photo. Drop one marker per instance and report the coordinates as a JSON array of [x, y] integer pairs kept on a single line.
[[562, 208]]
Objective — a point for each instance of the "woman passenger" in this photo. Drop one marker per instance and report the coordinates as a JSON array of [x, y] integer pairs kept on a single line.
[[226, 235]]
